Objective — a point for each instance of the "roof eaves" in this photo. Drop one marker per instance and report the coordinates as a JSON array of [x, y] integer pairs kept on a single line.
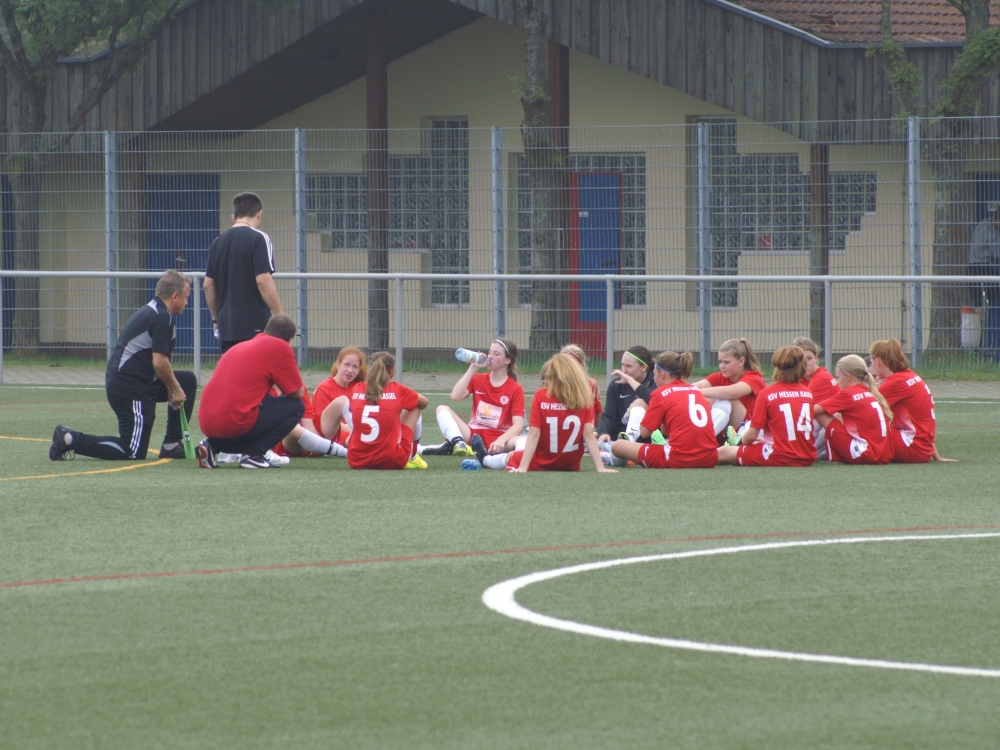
[[812, 38]]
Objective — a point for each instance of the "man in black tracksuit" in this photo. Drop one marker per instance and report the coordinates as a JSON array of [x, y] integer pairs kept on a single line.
[[139, 376]]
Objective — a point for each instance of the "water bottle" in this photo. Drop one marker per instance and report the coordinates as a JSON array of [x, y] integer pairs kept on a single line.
[[467, 355]]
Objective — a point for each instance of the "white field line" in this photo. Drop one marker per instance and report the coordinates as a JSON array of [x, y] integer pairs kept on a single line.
[[501, 598]]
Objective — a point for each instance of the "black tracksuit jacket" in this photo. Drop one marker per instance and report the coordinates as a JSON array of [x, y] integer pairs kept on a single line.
[[617, 400]]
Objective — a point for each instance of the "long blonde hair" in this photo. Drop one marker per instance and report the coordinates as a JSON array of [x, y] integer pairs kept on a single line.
[[742, 349], [379, 376], [566, 383], [855, 366]]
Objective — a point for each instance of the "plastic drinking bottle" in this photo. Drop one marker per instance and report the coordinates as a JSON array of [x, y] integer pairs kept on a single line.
[[467, 355]]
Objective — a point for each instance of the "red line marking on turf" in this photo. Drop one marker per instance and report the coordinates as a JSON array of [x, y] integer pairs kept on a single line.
[[476, 553]]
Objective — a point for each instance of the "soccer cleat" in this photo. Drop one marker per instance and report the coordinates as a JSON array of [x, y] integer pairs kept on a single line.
[[445, 449], [657, 438], [176, 452], [624, 436], [275, 460], [205, 455], [471, 464], [459, 448], [607, 459], [255, 462], [731, 437], [416, 463], [479, 448], [228, 458], [59, 451]]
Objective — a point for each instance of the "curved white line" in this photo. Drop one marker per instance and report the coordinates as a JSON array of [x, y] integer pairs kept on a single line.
[[500, 598]]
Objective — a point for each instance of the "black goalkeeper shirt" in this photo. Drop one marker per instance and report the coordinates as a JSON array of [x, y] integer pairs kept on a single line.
[[235, 260]]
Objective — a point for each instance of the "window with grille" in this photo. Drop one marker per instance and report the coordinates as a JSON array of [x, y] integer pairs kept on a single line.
[[428, 206], [852, 196], [632, 168], [757, 203]]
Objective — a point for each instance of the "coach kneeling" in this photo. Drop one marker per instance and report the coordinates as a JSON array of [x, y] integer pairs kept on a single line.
[[238, 412]]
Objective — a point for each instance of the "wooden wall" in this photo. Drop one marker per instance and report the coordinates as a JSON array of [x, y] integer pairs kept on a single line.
[[699, 48]]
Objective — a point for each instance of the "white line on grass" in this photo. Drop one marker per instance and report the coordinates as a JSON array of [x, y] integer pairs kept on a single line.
[[500, 598]]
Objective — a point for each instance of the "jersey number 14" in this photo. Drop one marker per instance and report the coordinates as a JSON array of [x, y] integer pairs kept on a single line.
[[803, 424]]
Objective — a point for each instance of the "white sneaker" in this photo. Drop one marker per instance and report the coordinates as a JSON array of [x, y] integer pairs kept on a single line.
[[228, 458], [275, 460], [606, 458]]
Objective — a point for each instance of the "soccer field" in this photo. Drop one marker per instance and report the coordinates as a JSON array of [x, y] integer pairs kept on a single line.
[[159, 605]]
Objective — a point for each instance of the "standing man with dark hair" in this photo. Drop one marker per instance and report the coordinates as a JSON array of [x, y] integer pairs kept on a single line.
[[140, 376], [239, 412], [238, 286]]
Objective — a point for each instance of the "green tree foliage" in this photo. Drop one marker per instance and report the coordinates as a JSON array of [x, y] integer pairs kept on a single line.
[[945, 139]]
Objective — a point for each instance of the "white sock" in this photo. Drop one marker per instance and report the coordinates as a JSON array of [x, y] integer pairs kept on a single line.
[[721, 411], [635, 415], [520, 443], [499, 461], [348, 419], [448, 426], [316, 444], [418, 428], [820, 434]]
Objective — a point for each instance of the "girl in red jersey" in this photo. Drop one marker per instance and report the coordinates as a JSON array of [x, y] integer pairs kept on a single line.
[[913, 421], [348, 369], [385, 415], [782, 419], [497, 406], [581, 356], [821, 383], [732, 391], [857, 418], [681, 413], [561, 424]]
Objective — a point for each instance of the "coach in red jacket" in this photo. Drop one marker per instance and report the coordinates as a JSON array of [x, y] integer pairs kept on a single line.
[[237, 410]]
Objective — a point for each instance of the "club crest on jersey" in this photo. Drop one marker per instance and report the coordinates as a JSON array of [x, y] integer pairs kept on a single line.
[[504, 400]]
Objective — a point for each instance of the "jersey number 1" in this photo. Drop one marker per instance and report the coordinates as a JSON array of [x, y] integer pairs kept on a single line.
[[803, 425]]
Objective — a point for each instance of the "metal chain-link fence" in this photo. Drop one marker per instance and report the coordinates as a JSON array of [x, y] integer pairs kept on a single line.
[[717, 198]]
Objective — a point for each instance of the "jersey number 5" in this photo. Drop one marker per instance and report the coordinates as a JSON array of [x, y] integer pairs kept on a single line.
[[803, 425], [366, 419], [572, 422]]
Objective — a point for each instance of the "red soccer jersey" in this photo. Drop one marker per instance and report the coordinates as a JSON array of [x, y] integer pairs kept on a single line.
[[822, 384], [912, 410], [560, 446], [494, 407], [376, 431], [751, 377], [598, 409], [245, 374], [864, 421], [682, 414], [784, 414], [326, 392]]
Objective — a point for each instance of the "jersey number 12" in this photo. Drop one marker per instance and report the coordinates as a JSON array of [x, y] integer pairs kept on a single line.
[[572, 422]]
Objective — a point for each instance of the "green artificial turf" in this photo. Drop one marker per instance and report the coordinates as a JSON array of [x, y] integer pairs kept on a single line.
[[363, 625]]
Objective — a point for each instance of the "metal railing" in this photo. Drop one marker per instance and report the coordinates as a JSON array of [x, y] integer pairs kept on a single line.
[[706, 336], [444, 206]]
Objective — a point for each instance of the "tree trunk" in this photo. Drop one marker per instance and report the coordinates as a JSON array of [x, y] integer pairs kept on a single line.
[[943, 147], [544, 162]]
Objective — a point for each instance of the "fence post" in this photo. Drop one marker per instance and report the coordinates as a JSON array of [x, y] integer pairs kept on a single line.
[[399, 330], [301, 264], [499, 304], [609, 315], [828, 324], [110, 240], [1, 330], [913, 195], [704, 251], [196, 293]]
